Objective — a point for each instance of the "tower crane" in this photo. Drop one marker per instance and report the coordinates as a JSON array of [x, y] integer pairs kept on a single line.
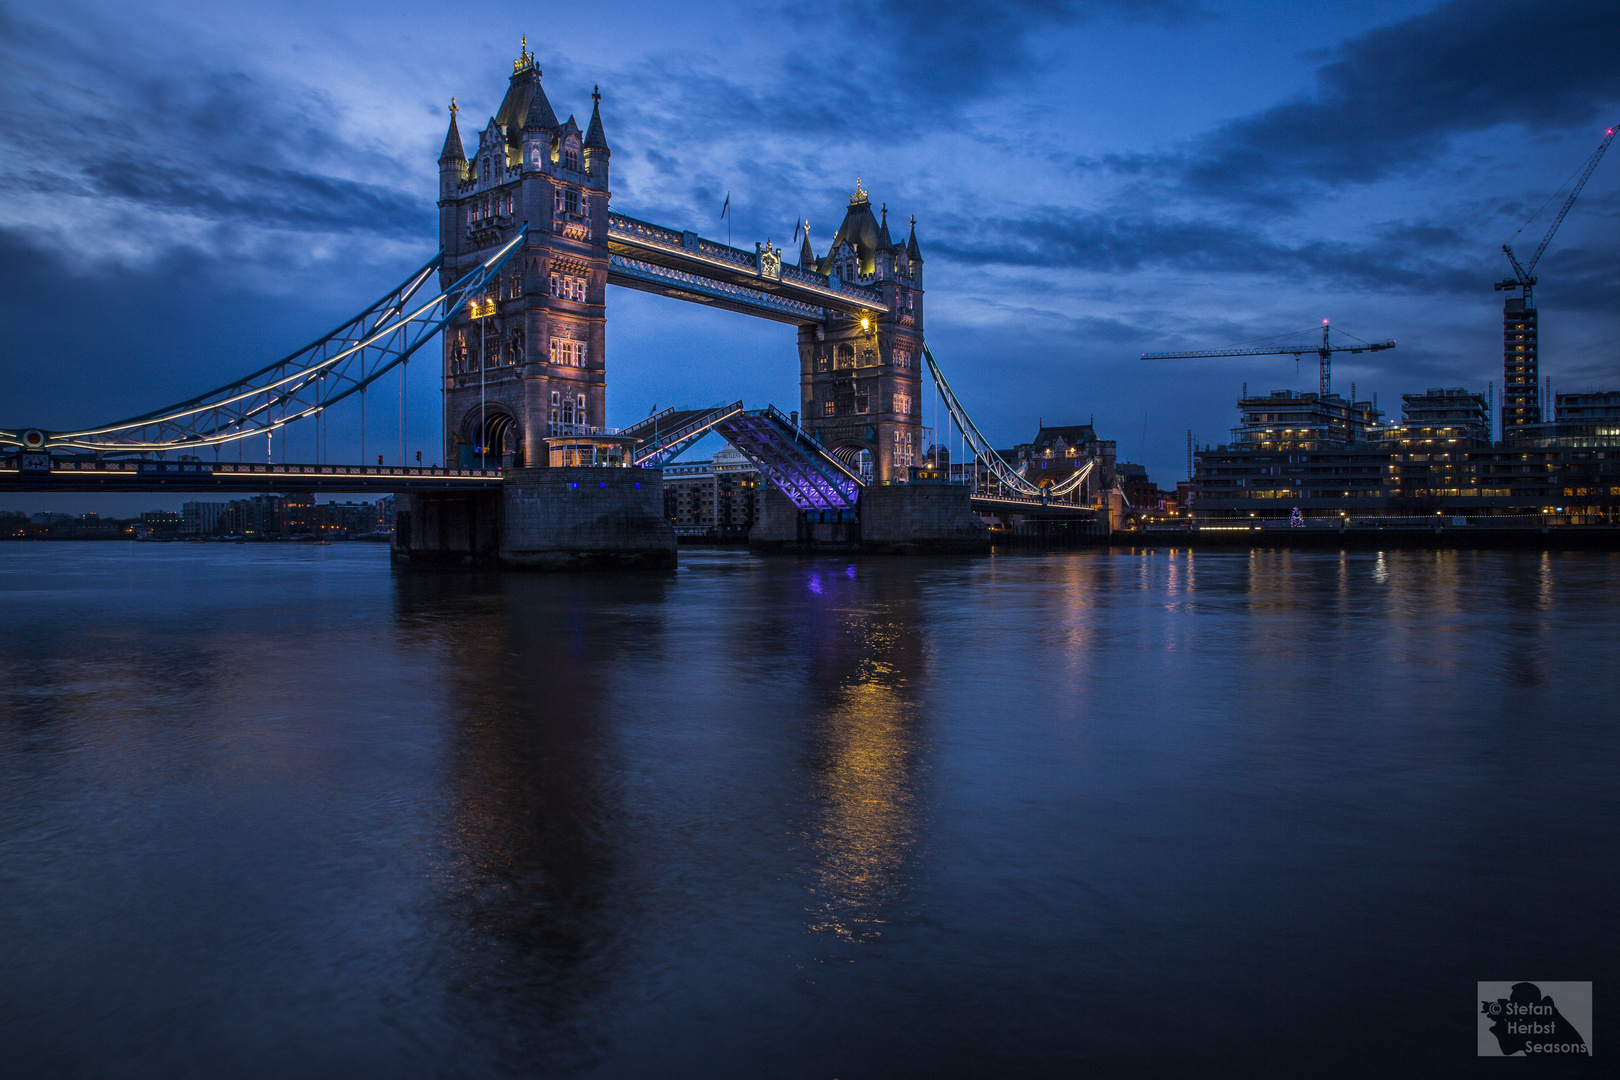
[[1523, 279], [1521, 369], [1324, 351]]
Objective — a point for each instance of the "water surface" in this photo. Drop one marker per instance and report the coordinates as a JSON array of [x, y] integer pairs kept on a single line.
[[276, 810]]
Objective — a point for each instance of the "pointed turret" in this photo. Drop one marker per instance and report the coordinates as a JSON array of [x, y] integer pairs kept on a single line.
[[452, 140], [539, 114], [883, 241], [911, 244], [860, 231], [807, 254], [594, 137]]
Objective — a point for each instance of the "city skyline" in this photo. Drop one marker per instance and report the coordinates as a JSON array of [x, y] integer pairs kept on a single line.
[[1091, 181]]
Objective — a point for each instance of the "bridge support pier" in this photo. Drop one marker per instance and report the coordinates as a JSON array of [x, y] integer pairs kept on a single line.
[[921, 519], [541, 519], [454, 528], [894, 519], [569, 517]]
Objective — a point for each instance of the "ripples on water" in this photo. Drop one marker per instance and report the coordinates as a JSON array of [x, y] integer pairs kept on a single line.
[[274, 811]]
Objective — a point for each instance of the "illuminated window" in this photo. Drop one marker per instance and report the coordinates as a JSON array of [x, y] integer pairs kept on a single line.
[[903, 455], [827, 407], [567, 353], [902, 404], [571, 158], [568, 287]]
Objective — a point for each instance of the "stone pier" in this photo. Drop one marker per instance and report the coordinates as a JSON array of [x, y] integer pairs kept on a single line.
[[542, 518], [893, 519]]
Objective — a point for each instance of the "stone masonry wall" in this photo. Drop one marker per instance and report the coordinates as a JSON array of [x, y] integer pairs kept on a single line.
[[566, 517]]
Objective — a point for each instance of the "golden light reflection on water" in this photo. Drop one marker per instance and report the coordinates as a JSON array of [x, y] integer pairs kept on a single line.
[[865, 786]]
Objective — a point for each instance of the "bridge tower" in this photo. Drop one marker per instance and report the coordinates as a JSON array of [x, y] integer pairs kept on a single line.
[[860, 383], [528, 360]]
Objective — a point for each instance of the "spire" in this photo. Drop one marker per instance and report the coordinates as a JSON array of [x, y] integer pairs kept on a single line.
[[807, 254], [594, 138], [883, 240], [539, 114], [452, 140], [911, 245]]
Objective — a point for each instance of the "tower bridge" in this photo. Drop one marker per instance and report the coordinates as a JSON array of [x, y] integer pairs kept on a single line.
[[528, 248]]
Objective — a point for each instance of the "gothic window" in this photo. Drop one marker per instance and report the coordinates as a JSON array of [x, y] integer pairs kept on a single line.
[[827, 407], [868, 358], [508, 205], [821, 363], [902, 358], [571, 158], [902, 448], [556, 404], [571, 200], [567, 353], [568, 287], [861, 402], [902, 404], [568, 410], [579, 410], [844, 356], [486, 170]]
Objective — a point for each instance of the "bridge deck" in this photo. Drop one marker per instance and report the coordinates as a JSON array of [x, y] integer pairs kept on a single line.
[[792, 460], [687, 266], [75, 475]]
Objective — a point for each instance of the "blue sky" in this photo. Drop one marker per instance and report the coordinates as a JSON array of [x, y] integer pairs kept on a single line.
[[191, 189]]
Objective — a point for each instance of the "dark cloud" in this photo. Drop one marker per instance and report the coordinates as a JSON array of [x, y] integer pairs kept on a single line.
[[92, 344], [948, 50], [208, 145], [1115, 244], [1388, 102]]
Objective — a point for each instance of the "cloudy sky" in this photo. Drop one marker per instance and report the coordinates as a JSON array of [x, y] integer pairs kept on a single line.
[[192, 189]]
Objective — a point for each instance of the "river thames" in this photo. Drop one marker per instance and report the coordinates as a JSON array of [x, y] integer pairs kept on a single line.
[[275, 810]]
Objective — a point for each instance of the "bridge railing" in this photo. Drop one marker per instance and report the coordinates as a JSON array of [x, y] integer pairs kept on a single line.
[[243, 468]]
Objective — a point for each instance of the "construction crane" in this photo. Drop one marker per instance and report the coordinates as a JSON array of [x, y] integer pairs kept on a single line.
[[1523, 279], [1521, 366], [1324, 351]]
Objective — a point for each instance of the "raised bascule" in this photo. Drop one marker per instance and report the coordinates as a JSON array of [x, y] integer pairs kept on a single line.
[[528, 247]]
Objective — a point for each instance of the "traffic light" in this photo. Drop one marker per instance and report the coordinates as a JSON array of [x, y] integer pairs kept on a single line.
[[379, 459], [419, 457]]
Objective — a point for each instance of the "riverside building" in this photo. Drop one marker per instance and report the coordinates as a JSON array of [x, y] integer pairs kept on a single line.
[[1327, 457]]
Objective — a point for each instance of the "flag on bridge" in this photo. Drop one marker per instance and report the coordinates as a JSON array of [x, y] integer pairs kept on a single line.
[[727, 206]]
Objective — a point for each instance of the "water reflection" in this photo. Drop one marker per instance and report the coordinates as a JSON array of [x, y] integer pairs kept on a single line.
[[531, 841], [866, 663]]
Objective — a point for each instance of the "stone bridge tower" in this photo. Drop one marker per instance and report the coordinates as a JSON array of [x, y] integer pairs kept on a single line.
[[529, 360], [861, 377]]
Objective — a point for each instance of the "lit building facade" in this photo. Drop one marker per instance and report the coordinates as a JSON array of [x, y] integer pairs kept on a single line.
[[526, 360], [718, 498], [1438, 460], [860, 377]]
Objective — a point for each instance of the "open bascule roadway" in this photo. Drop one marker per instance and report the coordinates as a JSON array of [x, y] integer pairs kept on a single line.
[[516, 297]]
